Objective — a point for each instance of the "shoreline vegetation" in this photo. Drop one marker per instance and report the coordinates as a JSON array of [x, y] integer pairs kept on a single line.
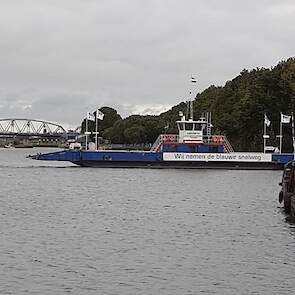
[[237, 110]]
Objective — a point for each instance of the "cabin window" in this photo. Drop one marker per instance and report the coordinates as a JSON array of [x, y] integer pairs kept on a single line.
[[180, 126], [197, 126], [189, 126]]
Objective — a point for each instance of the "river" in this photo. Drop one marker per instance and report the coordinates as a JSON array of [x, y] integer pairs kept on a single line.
[[71, 230]]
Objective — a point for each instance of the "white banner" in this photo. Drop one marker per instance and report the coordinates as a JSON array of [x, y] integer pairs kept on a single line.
[[285, 118], [188, 135], [213, 157], [266, 121], [99, 115], [90, 117]]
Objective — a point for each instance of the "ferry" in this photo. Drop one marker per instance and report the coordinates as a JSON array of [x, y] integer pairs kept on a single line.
[[193, 147], [287, 192]]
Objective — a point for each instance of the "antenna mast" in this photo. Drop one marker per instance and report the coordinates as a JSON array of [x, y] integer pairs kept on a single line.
[[191, 106]]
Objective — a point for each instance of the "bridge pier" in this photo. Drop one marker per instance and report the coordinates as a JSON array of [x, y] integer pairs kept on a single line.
[[32, 141]]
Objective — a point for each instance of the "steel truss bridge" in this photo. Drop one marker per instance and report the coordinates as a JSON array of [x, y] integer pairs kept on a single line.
[[30, 127]]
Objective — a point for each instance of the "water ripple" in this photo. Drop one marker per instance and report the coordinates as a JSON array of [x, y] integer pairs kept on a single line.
[[119, 231]]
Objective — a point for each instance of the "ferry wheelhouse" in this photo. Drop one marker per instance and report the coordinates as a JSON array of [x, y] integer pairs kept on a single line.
[[193, 137]]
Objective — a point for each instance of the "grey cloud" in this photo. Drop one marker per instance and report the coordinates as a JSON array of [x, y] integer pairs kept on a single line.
[[59, 58]]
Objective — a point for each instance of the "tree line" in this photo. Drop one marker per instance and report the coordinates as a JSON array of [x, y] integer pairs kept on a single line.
[[237, 110]]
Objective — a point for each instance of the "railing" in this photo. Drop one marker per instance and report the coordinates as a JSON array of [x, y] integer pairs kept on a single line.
[[163, 138], [228, 146], [213, 139], [219, 139]]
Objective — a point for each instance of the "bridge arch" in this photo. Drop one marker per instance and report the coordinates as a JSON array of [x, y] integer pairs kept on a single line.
[[24, 126]]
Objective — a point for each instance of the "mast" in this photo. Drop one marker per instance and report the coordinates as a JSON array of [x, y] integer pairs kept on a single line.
[[209, 125], [86, 133], [293, 134], [96, 131], [281, 134], [191, 107], [187, 109], [264, 133], [266, 123], [191, 110]]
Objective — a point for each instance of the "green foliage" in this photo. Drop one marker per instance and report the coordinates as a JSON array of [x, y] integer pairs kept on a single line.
[[110, 118], [135, 129], [237, 110]]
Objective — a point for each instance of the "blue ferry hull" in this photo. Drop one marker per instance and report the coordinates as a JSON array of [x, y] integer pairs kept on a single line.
[[138, 159], [183, 165]]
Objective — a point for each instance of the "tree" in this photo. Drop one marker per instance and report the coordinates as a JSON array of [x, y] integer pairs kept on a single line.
[[237, 110], [111, 116]]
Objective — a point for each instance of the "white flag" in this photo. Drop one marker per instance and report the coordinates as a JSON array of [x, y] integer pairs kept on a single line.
[[285, 118], [266, 121], [90, 117], [99, 115]]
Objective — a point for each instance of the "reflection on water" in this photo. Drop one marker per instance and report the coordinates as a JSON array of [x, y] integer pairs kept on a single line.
[[139, 231]]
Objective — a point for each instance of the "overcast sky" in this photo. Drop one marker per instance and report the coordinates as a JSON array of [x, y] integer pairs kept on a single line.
[[62, 58]]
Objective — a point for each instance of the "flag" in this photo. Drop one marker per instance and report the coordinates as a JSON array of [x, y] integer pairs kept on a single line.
[[99, 115], [193, 80], [285, 118], [90, 117], [266, 121]]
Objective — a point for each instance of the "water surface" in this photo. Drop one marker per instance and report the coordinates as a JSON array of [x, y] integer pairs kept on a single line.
[[66, 229]]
